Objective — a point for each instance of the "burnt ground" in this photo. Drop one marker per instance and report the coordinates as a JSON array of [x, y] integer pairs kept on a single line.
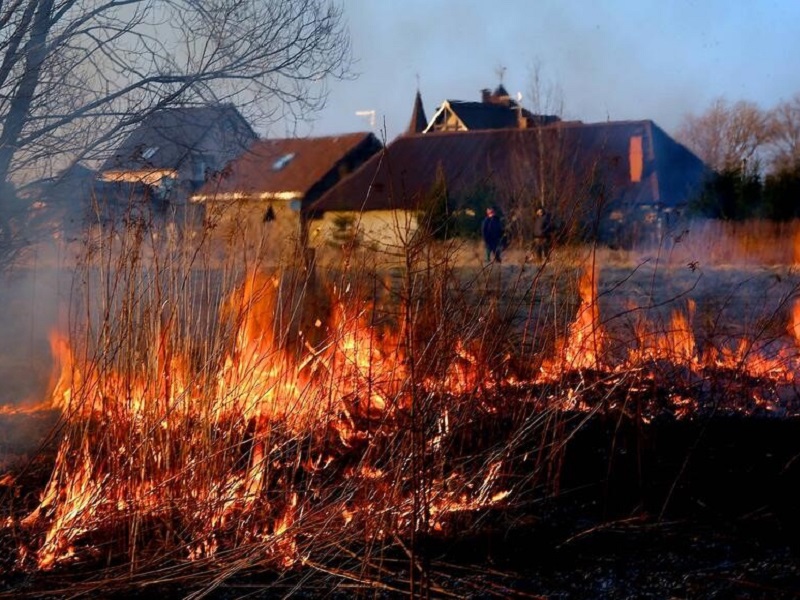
[[675, 509], [695, 508]]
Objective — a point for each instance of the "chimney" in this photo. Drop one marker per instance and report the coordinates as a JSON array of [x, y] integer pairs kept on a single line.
[[522, 121], [486, 96], [636, 158]]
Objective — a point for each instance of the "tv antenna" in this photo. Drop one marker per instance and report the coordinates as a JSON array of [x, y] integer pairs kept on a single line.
[[500, 71]]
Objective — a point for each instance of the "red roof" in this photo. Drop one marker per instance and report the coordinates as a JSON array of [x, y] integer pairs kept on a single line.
[[287, 165]]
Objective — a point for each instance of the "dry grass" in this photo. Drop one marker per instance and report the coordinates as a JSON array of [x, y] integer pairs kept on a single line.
[[223, 415]]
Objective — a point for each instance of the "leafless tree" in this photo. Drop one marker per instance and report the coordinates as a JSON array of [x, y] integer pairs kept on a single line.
[[727, 137], [785, 128], [546, 97], [553, 172], [75, 74]]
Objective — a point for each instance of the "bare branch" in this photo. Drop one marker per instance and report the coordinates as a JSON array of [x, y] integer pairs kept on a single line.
[[784, 122], [727, 137], [118, 60]]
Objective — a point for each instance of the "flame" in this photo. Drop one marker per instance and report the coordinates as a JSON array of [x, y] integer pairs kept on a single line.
[[585, 343], [794, 322], [674, 343], [586, 337], [162, 412], [244, 447]]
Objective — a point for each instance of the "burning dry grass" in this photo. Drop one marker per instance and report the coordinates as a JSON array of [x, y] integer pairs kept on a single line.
[[276, 438], [240, 418]]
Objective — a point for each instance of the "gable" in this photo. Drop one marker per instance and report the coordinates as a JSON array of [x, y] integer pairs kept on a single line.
[[445, 119]]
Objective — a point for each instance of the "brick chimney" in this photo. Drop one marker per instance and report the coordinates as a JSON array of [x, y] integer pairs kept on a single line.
[[522, 120]]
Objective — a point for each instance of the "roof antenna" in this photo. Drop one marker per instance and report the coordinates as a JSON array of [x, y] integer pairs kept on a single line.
[[500, 71]]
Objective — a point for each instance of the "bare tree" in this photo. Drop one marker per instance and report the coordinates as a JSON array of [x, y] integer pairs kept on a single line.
[[785, 129], [75, 74], [546, 95], [727, 137]]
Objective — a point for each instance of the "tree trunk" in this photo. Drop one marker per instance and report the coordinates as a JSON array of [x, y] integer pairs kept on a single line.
[[34, 52]]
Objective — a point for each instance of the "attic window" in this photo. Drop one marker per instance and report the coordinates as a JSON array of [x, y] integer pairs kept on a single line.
[[148, 152], [282, 161]]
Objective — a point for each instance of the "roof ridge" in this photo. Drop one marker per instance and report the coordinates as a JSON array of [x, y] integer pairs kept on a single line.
[[318, 137]]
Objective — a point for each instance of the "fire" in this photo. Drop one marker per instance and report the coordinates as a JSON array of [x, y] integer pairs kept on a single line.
[[160, 440], [794, 321], [586, 339], [585, 343], [280, 436], [674, 343]]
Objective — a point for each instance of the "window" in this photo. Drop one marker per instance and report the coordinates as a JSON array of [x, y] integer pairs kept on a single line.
[[282, 161]]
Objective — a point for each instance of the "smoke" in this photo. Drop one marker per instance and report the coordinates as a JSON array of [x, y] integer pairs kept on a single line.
[[32, 293]]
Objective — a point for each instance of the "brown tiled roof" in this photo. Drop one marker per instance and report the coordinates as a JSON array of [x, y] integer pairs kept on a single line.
[[171, 134], [287, 165], [510, 160]]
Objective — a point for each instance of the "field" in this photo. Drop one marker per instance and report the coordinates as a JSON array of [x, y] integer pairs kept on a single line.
[[431, 426]]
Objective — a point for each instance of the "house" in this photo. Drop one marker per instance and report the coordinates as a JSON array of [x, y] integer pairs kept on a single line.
[[173, 151], [496, 110], [599, 177], [61, 206], [261, 196]]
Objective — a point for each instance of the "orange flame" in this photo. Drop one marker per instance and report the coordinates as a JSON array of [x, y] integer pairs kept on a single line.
[[163, 437], [584, 345]]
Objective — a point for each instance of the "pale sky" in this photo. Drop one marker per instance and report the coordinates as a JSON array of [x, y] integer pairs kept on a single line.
[[612, 59]]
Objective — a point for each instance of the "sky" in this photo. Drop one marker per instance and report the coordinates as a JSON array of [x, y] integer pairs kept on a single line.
[[610, 59]]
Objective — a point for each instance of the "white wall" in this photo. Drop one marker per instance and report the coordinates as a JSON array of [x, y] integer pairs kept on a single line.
[[382, 230]]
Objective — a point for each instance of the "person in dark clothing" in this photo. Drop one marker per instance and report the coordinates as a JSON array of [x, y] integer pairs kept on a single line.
[[541, 234], [492, 233]]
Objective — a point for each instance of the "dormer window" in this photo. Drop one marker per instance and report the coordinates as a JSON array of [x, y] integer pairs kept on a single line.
[[282, 161]]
